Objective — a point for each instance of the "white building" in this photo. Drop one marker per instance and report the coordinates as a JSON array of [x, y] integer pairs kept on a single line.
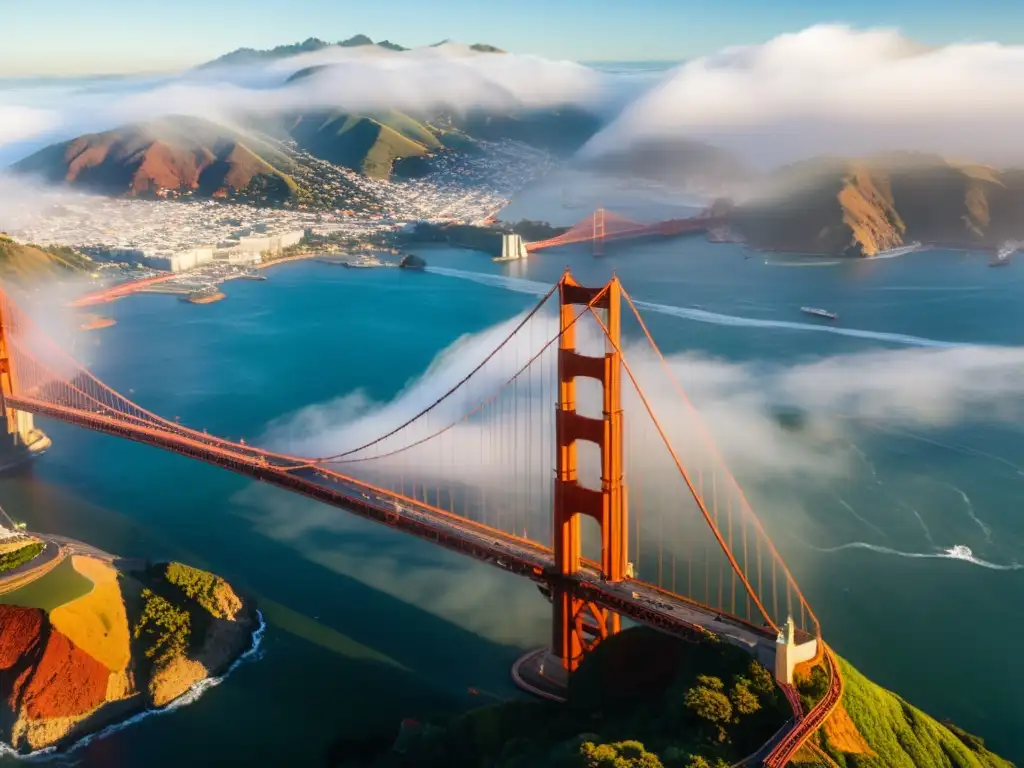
[[179, 261]]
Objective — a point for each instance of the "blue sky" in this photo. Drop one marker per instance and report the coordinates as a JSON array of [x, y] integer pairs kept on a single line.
[[76, 37]]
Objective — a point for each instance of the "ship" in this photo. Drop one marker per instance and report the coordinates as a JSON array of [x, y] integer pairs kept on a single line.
[[819, 313], [366, 262], [900, 251], [1006, 250]]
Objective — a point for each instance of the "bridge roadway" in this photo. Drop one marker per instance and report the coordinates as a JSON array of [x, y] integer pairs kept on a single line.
[[636, 600]]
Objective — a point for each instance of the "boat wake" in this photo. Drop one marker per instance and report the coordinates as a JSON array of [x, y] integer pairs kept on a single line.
[[535, 288], [956, 552], [52, 756]]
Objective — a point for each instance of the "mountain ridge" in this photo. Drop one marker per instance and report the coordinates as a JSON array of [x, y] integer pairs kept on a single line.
[[245, 55]]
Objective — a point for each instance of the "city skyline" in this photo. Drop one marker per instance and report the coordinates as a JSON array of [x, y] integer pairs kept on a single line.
[[117, 39]]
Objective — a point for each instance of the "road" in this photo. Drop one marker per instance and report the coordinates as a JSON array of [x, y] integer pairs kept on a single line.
[[633, 599], [38, 566]]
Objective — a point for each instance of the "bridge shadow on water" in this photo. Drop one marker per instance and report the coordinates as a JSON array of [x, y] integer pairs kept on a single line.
[[343, 662]]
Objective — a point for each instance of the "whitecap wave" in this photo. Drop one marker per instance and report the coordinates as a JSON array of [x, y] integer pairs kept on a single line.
[[52, 755], [956, 552], [535, 288]]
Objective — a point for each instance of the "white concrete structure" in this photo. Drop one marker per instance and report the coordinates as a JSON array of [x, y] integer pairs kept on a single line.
[[789, 653], [512, 248], [179, 261]]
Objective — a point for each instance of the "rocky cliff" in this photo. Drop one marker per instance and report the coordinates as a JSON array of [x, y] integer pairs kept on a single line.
[[862, 207], [120, 643]]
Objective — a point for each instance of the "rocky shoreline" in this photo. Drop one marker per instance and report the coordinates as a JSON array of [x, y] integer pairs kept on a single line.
[[129, 639]]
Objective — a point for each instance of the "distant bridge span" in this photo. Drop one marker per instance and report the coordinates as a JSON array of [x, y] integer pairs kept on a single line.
[[603, 226]]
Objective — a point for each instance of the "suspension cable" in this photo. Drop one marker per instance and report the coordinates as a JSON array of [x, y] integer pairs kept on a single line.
[[478, 407], [684, 473], [717, 455]]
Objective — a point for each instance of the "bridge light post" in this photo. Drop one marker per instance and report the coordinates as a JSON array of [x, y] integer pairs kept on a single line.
[[579, 625]]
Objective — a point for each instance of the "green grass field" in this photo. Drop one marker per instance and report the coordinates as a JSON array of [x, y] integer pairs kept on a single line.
[[61, 585]]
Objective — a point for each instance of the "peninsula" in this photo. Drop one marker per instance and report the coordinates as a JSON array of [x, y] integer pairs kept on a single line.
[[89, 640]]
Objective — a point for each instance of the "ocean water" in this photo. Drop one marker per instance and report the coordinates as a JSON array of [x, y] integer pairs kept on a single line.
[[366, 627]]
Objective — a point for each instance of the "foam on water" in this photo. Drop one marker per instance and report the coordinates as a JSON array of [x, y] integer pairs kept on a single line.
[[701, 315], [956, 552], [52, 756]]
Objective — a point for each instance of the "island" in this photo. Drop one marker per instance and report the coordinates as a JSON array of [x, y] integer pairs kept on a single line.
[[96, 322], [644, 699], [412, 261], [90, 640]]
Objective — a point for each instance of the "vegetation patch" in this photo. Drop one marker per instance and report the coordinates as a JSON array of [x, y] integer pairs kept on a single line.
[[212, 593], [11, 560], [896, 734], [67, 682], [163, 629], [22, 629], [642, 700], [61, 585]]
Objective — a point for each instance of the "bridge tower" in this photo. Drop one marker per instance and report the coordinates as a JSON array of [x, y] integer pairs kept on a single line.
[[598, 233], [579, 625], [20, 424]]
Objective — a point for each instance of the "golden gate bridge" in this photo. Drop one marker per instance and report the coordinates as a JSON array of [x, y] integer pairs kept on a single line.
[[604, 226], [523, 464]]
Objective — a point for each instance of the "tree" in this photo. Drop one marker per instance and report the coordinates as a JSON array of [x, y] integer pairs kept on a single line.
[[714, 683], [761, 680], [744, 701], [624, 754], [709, 704]]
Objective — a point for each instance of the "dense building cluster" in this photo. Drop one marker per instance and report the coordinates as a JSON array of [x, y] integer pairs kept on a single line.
[[189, 233]]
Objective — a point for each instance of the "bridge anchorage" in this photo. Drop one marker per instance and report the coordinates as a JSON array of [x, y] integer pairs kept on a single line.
[[682, 551]]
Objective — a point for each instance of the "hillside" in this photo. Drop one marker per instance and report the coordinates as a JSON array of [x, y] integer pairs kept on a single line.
[[25, 263], [875, 728], [860, 207], [87, 644], [647, 700], [364, 143], [170, 157]]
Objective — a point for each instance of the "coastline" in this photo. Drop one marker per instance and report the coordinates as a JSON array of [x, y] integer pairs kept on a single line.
[[225, 630], [190, 696]]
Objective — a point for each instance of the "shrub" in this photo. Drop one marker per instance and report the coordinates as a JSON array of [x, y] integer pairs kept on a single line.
[[210, 591], [11, 560], [743, 700], [166, 627]]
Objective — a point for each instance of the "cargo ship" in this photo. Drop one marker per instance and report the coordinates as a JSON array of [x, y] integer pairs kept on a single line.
[[824, 313]]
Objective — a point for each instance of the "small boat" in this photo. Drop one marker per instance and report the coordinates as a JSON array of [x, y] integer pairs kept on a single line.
[[1006, 250], [900, 251], [819, 313]]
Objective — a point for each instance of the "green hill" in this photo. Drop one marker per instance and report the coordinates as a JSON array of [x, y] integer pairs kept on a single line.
[[875, 728], [647, 700], [367, 143]]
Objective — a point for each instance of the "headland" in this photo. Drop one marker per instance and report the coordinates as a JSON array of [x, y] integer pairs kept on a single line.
[[644, 699], [90, 640]]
